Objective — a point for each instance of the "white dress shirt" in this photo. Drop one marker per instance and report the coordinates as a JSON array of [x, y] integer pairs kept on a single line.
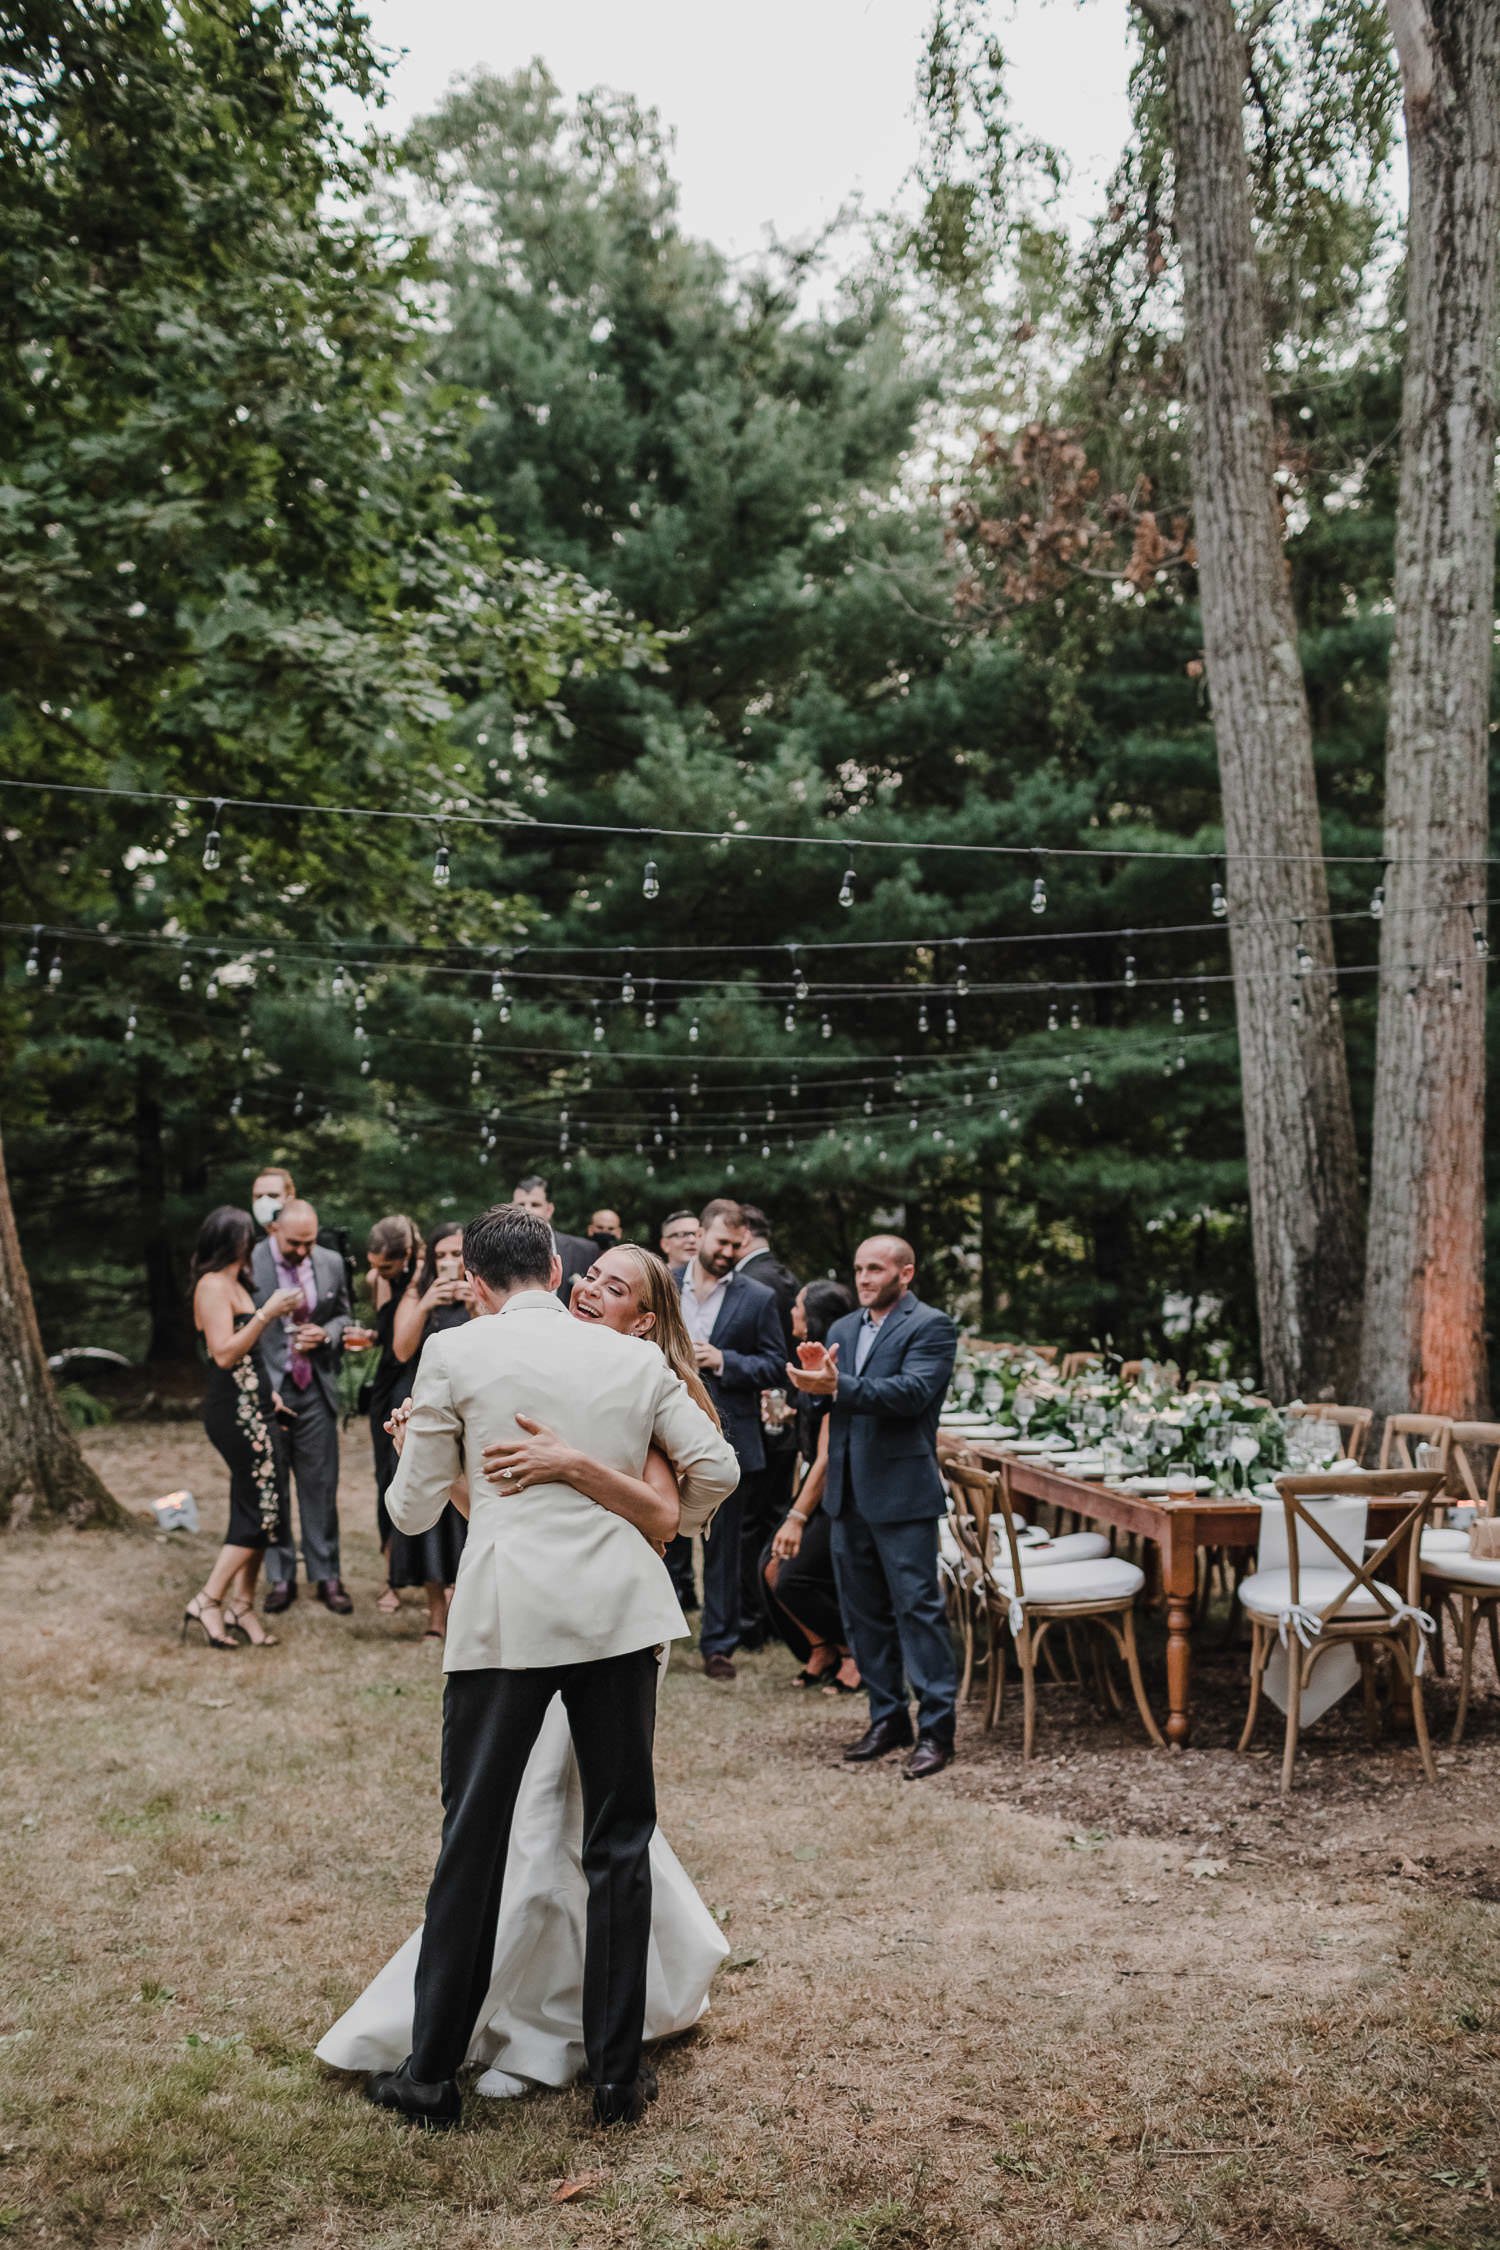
[[700, 1313], [549, 1577]]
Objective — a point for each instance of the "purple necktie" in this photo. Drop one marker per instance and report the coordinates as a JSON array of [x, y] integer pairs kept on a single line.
[[300, 1276]]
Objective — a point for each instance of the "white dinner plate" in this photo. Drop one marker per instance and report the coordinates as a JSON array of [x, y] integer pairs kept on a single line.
[[1158, 1488]]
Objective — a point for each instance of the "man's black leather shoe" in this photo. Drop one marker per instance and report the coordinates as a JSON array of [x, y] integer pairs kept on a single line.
[[930, 1756], [331, 1593], [877, 1741], [435, 2107], [280, 1596], [624, 2105]]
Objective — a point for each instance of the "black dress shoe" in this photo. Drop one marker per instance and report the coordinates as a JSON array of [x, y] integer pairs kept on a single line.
[[280, 1596], [624, 2105], [930, 1756], [330, 1592], [879, 1740], [436, 2107]]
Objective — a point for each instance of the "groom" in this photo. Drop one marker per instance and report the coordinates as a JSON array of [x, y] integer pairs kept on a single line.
[[555, 1595]]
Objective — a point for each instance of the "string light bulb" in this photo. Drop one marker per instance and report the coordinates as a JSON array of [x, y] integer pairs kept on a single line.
[[961, 971], [130, 1028], [34, 957], [789, 1020], [339, 983], [1075, 1021], [497, 986], [213, 842], [627, 989], [825, 1027], [648, 1013], [54, 972], [1052, 1019], [1179, 1014], [846, 888], [950, 1022], [1480, 942], [1377, 903], [442, 872], [1039, 895], [1303, 958], [1130, 970], [1218, 904], [693, 1031], [922, 1016], [651, 881]]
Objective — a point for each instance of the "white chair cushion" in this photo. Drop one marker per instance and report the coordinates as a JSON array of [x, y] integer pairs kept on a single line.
[[1461, 1570], [1108, 1578], [1439, 1542], [1269, 1592], [1043, 1553]]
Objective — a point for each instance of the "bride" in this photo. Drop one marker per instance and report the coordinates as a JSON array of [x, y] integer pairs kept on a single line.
[[530, 2030]]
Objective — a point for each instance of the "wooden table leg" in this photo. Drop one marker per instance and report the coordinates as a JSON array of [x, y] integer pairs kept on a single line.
[[1179, 1572]]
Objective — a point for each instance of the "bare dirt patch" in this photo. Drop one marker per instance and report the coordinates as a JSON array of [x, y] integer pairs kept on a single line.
[[1116, 1999]]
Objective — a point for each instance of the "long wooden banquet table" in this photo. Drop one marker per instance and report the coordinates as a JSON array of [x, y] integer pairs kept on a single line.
[[1176, 1525]]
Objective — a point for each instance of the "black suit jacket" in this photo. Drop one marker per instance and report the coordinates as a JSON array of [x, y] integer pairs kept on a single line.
[[765, 1267], [747, 1330], [577, 1255]]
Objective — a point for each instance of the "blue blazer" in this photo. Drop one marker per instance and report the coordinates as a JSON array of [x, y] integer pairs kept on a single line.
[[882, 1434], [747, 1330]]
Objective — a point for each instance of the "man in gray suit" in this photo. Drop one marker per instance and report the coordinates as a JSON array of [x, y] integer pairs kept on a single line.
[[302, 1360]]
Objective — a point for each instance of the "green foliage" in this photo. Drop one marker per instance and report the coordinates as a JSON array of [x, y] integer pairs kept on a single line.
[[83, 1410], [235, 561]]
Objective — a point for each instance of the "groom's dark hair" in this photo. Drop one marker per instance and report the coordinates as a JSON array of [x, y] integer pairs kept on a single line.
[[505, 1248]]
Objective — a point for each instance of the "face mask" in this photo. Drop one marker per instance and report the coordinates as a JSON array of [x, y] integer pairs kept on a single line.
[[267, 1209]]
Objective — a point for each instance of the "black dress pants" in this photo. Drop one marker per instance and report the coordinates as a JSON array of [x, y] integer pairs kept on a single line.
[[491, 1720]]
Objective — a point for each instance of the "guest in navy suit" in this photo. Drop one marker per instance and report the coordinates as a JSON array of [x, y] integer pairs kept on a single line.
[[740, 1347], [885, 1371]]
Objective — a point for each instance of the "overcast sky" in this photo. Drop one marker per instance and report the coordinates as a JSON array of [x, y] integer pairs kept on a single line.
[[784, 109]]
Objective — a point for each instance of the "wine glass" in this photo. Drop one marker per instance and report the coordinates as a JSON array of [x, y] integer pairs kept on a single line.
[[1023, 1409], [1243, 1449], [1216, 1450]]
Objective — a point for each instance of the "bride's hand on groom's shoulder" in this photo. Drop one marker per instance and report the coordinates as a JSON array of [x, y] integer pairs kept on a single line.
[[539, 1457]]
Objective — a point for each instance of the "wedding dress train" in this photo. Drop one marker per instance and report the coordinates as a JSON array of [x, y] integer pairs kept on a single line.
[[531, 2027]]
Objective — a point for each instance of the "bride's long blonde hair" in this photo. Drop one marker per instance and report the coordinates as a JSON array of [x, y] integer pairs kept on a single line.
[[656, 1294]]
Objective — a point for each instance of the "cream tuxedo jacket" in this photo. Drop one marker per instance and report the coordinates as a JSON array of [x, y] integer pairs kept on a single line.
[[548, 1577]]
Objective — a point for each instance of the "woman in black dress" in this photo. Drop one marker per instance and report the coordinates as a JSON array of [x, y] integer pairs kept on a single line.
[[238, 1414], [437, 1299], [798, 1564], [392, 1254]]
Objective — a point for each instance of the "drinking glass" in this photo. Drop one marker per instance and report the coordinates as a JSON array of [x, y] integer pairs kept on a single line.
[[1243, 1449]]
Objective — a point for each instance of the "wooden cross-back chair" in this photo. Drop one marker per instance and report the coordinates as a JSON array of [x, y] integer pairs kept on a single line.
[[1026, 1597], [1403, 1433], [1132, 1369], [1450, 1574], [1325, 1593], [1352, 1423]]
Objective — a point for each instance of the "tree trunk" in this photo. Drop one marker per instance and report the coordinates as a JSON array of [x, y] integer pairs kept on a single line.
[[1299, 1122], [44, 1478], [1424, 1279]]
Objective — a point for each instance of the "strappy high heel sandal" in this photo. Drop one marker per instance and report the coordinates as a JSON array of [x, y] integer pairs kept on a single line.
[[193, 1615], [234, 1621]]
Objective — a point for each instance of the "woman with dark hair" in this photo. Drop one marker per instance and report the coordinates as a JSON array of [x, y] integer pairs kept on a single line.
[[437, 1299], [392, 1255], [798, 1564], [238, 1410]]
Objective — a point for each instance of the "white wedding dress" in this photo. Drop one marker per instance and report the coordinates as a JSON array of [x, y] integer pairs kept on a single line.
[[531, 2027]]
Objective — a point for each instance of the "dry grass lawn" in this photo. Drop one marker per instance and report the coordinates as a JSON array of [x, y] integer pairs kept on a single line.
[[1124, 2001]]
